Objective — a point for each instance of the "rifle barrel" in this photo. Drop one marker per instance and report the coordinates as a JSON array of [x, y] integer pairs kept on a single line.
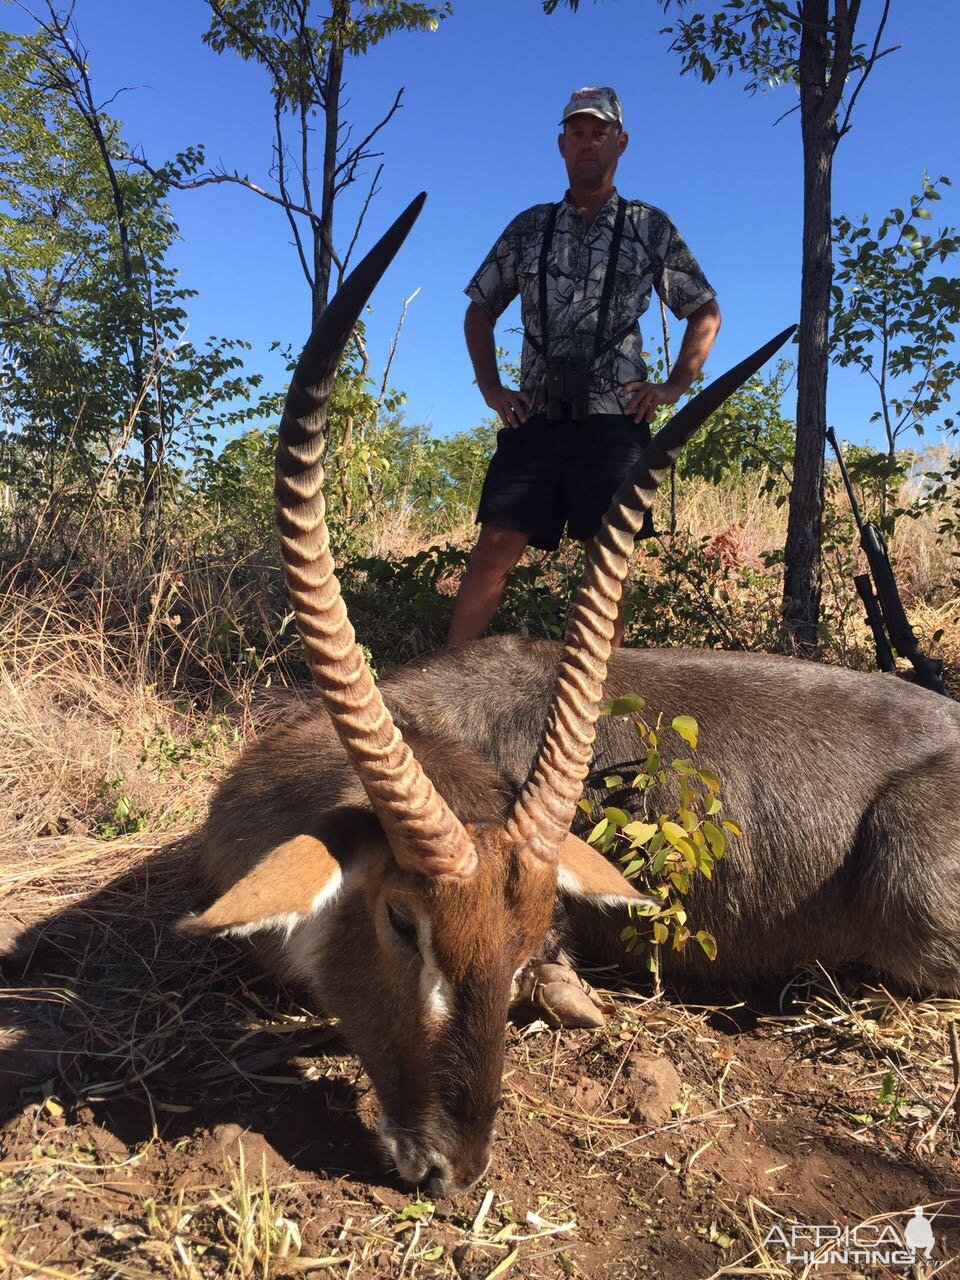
[[886, 615], [855, 506]]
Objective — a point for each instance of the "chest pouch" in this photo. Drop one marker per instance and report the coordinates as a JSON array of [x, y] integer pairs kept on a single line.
[[567, 387]]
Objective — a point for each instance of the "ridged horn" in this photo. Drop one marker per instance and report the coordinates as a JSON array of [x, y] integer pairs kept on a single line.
[[545, 808], [424, 834]]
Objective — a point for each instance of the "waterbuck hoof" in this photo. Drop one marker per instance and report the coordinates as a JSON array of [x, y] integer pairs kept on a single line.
[[559, 997]]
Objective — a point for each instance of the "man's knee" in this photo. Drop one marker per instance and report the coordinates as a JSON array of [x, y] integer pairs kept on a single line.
[[497, 550]]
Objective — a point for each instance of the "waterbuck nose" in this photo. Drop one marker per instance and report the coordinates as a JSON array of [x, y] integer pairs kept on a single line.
[[446, 1177], [439, 1180], [441, 1165]]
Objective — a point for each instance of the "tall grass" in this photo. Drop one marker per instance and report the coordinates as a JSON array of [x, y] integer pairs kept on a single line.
[[125, 687]]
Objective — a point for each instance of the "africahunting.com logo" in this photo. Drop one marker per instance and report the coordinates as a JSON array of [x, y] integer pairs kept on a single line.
[[871, 1244]]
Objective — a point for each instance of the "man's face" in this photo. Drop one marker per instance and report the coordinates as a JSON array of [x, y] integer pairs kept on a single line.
[[591, 148]]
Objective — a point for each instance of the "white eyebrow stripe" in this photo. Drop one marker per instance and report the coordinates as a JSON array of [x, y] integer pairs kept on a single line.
[[435, 990]]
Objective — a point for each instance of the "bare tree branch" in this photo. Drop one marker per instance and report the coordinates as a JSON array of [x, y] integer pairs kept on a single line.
[[206, 179], [786, 113], [393, 350], [874, 58], [317, 76], [374, 190], [127, 88], [80, 91], [287, 207], [356, 154]]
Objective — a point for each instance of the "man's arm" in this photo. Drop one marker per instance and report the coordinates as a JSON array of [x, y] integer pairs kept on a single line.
[[703, 325], [511, 405]]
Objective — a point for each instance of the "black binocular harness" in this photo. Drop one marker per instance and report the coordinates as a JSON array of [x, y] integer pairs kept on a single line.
[[599, 346]]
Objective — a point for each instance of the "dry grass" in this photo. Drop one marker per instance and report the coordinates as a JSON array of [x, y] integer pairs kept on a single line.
[[707, 510], [87, 741]]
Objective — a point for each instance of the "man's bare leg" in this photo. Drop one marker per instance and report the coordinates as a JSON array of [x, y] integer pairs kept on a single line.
[[620, 621], [497, 551]]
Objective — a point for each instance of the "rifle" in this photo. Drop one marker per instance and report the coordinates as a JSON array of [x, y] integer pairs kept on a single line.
[[885, 613]]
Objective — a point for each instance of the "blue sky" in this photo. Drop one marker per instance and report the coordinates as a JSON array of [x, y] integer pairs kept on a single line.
[[478, 129]]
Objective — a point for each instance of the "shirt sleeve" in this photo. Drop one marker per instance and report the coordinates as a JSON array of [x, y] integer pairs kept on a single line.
[[679, 280], [495, 285]]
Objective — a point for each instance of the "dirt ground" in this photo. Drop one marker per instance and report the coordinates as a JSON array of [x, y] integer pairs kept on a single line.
[[165, 1114]]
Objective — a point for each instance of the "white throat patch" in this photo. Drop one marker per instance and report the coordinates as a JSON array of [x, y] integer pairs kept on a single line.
[[308, 931]]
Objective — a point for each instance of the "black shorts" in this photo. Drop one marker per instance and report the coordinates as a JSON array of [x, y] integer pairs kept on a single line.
[[545, 475]]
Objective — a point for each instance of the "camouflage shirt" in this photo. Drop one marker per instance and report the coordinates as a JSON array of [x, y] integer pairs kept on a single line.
[[652, 256]]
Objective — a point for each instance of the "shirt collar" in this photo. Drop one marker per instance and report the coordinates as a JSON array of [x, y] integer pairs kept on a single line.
[[605, 214]]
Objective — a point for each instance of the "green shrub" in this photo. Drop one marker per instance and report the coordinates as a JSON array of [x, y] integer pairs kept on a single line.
[[663, 851]]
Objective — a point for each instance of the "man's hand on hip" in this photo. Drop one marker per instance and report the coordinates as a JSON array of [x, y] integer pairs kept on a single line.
[[512, 406], [647, 397]]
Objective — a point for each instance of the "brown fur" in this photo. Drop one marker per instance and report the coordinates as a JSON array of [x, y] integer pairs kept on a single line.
[[845, 786]]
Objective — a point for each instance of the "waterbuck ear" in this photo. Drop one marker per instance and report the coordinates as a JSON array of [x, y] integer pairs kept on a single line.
[[292, 882], [586, 875]]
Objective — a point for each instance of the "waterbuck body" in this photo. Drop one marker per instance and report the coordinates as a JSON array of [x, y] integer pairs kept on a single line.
[[403, 850], [845, 786]]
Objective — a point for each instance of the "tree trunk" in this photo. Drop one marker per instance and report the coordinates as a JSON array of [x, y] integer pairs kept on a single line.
[[145, 426], [801, 602], [323, 235]]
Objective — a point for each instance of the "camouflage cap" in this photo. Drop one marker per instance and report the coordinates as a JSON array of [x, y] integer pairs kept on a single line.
[[594, 100]]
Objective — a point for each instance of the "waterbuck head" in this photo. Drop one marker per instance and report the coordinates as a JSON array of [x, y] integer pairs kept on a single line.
[[402, 881]]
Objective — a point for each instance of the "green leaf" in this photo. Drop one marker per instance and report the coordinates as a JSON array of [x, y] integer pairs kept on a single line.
[[672, 830], [640, 832], [680, 879], [687, 728], [597, 831], [732, 827], [678, 838], [708, 942], [630, 704], [416, 1210], [617, 817], [689, 820], [715, 838]]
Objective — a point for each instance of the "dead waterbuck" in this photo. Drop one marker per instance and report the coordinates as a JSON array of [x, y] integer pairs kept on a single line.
[[403, 850]]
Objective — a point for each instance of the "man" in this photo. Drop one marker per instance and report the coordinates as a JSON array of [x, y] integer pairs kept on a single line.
[[584, 270]]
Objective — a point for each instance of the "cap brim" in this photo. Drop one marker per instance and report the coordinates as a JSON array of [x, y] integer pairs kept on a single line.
[[589, 111]]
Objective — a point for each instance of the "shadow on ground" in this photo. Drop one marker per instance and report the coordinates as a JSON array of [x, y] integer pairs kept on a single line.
[[106, 1005]]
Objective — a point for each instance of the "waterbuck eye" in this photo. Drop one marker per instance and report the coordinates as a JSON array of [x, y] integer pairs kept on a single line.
[[402, 924]]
